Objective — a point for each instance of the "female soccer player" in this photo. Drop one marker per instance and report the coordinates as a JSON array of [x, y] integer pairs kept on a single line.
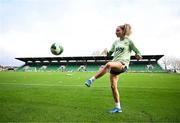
[[121, 48]]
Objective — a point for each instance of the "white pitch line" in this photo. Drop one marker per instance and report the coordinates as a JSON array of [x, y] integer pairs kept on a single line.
[[36, 84], [53, 85], [60, 85]]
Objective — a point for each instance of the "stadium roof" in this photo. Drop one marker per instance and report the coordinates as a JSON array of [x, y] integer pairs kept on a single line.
[[84, 58]]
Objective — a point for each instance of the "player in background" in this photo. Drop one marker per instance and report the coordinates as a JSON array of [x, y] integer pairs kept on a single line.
[[121, 49]]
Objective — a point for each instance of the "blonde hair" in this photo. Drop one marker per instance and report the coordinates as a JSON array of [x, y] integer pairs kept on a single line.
[[127, 29]]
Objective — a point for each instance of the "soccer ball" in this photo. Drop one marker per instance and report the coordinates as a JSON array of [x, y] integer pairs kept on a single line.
[[56, 49]]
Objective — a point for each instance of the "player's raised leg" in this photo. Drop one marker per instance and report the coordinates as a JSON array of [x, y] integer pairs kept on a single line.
[[110, 65]]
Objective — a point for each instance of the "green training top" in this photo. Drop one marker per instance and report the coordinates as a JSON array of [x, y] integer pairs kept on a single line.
[[122, 50]]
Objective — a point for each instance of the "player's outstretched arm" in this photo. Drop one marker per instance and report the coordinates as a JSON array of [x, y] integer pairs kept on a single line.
[[138, 57]]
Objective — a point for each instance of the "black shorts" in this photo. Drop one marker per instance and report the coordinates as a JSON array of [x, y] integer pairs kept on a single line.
[[119, 72]]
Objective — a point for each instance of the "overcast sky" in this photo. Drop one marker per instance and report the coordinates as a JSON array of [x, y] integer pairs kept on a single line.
[[29, 27]]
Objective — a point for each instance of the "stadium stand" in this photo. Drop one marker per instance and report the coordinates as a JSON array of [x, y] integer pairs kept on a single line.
[[149, 63]]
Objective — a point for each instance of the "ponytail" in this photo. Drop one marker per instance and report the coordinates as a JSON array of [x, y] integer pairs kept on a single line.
[[127, 29]]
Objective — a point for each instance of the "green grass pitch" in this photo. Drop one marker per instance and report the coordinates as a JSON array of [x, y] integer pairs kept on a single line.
[[63, 97]]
